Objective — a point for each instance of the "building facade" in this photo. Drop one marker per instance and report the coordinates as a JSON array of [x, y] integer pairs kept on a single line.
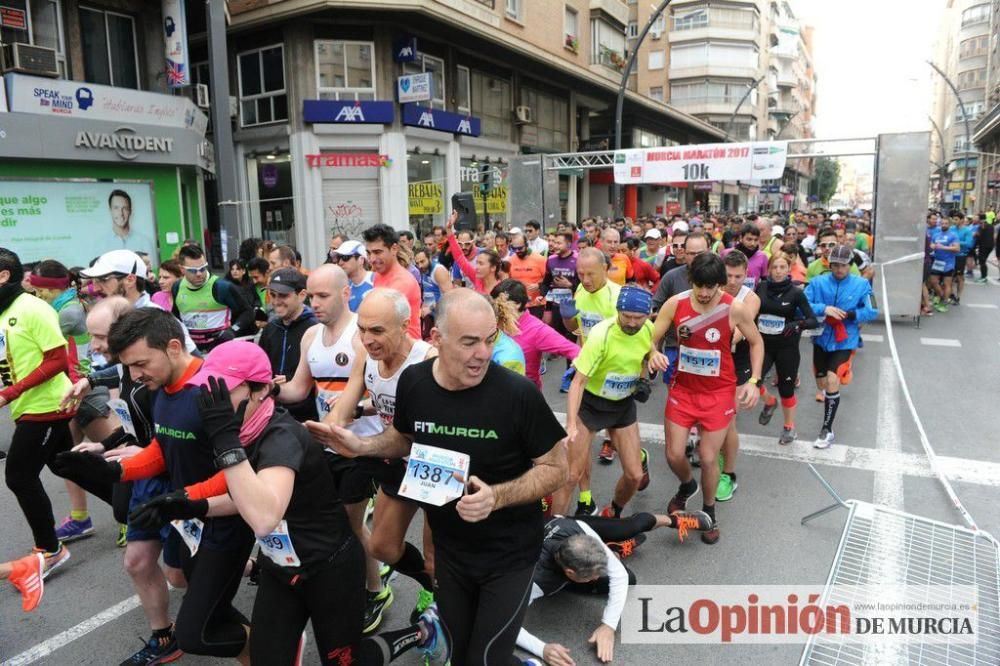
[[986, 135]]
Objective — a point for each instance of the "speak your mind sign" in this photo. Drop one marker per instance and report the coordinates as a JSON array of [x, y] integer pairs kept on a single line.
[[73, 221], [712, 161]]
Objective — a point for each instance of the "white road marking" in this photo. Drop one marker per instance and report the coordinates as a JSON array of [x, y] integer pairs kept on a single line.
[[961, 470], [940, 342], [45, 648], [985, 306], [871, 337], [888, 482]]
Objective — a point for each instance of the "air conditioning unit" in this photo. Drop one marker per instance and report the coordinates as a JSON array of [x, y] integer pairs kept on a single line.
[[655, 32], [201, 95], [234, 106], [523, 115], [28, 59]]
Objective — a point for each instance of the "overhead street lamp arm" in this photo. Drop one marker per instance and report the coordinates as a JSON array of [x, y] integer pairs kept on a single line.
[[965, 118], [620, 105], [732, 118]]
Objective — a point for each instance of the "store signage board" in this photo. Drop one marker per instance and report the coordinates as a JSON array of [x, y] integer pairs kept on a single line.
[[415, 115], [706, 162], [178, 68], [415, 88], [347, 160], [347, 112]]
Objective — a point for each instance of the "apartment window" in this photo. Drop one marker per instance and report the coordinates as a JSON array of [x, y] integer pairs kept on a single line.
[[976, 14], [44, 20], [974, 109], [960, 145], [514, 9], [551, 115], [632, 30], [571, 25], [721, 54], [973, 78], [976, 46], [491, 103], [434, 65], [109, 53], [345, 70], [607, 44], [463, 88], [656, 92], [655, 60], [261, 75], [710, 92], [690, 19]]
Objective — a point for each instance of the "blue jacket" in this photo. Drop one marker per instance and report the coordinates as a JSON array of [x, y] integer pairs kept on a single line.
[[853, 294]]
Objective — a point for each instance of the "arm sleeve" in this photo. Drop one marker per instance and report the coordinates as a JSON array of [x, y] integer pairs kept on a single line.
[[525, 639], [144, 465], [53, 362], [211, 487], [617, 584], [242, 313], [463, 263]]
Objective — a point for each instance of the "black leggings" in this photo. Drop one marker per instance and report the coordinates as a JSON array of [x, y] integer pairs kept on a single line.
[[207, 623], [619, 529], [784, 356], [984, 255], [33, 446], [483, 613]]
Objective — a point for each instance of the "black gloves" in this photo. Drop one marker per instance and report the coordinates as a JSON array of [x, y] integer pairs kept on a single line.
[[160, 510], [221, 423], [643, 389], [87, 467], [792, 328], [118, 438]]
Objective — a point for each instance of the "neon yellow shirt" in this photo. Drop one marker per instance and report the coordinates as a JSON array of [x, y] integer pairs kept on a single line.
[[28, 329], [595, 307], [612, 359]]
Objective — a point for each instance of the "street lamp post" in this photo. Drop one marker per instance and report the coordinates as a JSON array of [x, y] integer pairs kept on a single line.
[[619, 107], [729, 129], [965, 118], [941, 168]]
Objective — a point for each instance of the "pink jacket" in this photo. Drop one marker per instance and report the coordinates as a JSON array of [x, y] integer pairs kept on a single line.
[[536, 338]]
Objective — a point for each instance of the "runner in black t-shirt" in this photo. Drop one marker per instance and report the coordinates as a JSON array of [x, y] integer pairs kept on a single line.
[[487, 542]]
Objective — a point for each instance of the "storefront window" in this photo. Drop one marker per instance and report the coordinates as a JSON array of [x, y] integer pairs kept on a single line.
[[471, 176], [426, 177], [274, 187]]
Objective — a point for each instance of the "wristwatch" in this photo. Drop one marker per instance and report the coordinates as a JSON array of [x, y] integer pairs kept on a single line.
[[754, 381], [230, 458]]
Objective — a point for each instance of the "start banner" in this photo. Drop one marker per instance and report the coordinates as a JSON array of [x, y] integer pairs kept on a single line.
[[712, 161]]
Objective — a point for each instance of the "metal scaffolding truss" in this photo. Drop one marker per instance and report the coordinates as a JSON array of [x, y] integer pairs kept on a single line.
[[600, 159]]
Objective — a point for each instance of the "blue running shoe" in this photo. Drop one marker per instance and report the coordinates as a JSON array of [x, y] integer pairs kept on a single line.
[[567, 379], [156, 651], [71, 530], [435, 647]]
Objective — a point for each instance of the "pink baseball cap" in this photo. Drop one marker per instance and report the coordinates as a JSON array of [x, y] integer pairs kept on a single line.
[[236, 361]]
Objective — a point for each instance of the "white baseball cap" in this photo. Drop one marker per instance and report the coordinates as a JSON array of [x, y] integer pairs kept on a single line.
[[124, 262], [350, 248], [515, 230], [777, 230], [681, 225], [835, 217], [653, 233]]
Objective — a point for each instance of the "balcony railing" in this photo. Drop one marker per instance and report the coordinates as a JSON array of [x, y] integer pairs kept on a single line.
[[686, 24], [609, 58], [706, 99]]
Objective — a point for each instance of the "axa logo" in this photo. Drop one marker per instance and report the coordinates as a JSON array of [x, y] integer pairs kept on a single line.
[[173, 432], [431, 428], [464, 127], [350, 114], [405, 52], [426, 119]]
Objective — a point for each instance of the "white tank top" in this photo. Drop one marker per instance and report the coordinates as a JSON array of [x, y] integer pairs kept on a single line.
[[383, 389], [744, 290], [330, 367]]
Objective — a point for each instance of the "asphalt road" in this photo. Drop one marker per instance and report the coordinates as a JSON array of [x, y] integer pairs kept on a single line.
[[954, 385]]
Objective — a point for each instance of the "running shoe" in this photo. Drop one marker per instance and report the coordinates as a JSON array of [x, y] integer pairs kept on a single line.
[[586, 509], [981, 281], [684, 521], [121, 538], [425, 599], [711, 535], [386, 573], [53, 560], [532, 662], [3, 455], [625, 549], [542, 369], [726, 488], [608, 512], [941, 307], [26, 576], [369, 510], [767, 412], [435, 647], [607, 454], [644, 481], [953, 300], [71, 530], [377, 603], [788, 435], [679, 501], [567, 379], [156, 651], [824, 440]]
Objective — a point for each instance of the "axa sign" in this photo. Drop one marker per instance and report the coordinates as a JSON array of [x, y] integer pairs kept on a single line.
[[441, 121], [125, 142], [347, 112]]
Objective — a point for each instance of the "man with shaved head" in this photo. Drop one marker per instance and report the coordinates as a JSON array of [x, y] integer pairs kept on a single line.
[[496, 427], [329, 351], [619, 265], [383, 349]]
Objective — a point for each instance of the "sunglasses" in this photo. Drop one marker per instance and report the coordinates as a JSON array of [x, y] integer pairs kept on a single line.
[[828, 245], [340, 259], [678, 246], [517, 248], [106, 278], [196, 269]]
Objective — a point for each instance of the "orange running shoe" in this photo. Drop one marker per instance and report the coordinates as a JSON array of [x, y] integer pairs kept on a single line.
[[607, 454], [26, 576], [625, 549], [684, 521]]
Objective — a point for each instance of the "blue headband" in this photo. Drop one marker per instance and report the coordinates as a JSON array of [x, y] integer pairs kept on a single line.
[[634, 299]]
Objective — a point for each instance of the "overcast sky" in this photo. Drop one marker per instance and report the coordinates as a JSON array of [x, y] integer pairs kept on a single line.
[[870, 64]]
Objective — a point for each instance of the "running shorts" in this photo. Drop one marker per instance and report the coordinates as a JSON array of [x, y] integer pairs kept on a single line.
[[387, 474], [598, 413], [839, 362], [93, 406], [144, 490], [713, 411], [353, 482], [943, 274]]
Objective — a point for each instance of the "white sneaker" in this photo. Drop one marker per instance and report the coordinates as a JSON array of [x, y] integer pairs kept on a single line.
[[824, 440]]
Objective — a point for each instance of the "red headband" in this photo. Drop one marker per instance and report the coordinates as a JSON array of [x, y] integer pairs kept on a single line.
[[49, 282]]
